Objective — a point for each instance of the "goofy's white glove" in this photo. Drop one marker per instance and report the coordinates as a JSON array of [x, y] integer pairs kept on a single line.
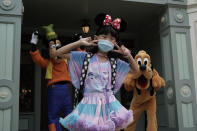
[[34, 38]]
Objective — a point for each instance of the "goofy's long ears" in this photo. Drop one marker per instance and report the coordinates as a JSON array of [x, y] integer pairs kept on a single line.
[[157, 81], [129, 82]]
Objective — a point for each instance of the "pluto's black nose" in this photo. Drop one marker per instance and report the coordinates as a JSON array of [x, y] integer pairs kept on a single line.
[[142, 67]]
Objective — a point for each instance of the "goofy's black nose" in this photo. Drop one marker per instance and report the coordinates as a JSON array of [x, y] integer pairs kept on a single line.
[[142, 67]]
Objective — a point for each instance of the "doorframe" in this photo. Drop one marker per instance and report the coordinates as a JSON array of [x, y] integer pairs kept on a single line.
[[34, 117]]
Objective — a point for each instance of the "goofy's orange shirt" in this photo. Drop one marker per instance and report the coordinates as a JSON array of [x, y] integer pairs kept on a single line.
[[59, 71]]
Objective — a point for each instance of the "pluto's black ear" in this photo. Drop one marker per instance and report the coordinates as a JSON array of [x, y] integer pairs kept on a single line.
[[99, 19], [151, 88], [152, 67], [123, 25], [138, 91]]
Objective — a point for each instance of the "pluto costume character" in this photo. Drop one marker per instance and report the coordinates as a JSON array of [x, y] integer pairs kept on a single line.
[[144, 86], [57, 76]]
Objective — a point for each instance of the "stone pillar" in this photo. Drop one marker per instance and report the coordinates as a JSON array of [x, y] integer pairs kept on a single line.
[[10, 34], [192, 13], [178, 68]]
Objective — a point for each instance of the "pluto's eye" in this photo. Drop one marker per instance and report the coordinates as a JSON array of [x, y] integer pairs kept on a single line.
[[146, 61], [139, 61]]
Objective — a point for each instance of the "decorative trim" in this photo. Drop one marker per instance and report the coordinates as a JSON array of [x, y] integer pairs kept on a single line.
[[170, 93], [4, 93], [163, 19], [185, 91], [7, 4], [179, 15], [7, 98]]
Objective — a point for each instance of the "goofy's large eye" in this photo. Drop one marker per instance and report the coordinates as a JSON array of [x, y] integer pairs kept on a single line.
[[139, 61], [145, 61]]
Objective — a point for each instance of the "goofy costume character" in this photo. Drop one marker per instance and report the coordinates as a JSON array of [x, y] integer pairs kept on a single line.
[[58, 78]]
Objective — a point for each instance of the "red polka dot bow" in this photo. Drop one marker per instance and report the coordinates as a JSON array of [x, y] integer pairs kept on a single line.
[[115, 23]]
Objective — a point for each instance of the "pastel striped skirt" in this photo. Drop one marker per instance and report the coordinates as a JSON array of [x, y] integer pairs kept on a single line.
[[94, 114]]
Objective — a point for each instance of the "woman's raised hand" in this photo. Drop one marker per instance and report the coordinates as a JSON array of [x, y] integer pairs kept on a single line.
[[122, 50], [88, 41]]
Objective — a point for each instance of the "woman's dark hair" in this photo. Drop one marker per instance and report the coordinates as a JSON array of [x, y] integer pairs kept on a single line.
[[107, 29]]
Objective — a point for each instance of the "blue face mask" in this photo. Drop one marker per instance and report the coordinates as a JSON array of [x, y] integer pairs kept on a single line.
[[105, 45]]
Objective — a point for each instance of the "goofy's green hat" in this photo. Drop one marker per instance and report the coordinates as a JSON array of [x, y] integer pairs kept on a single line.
[[50, 33]]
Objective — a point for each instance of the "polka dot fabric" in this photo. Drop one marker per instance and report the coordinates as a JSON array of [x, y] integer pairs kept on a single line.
[[115, 23]]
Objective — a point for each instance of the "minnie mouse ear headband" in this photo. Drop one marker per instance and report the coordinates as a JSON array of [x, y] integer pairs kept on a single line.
[[105, 20]]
